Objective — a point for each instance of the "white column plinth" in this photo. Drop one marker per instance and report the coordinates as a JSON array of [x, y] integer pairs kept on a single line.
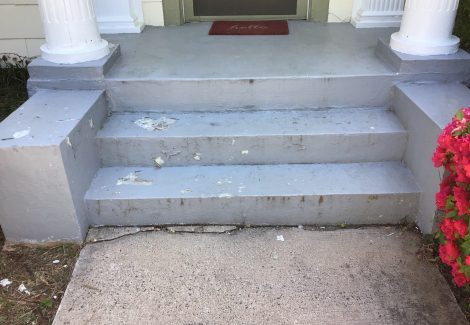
[[119, 16], [426, 28], [377, 13], [71, 32]]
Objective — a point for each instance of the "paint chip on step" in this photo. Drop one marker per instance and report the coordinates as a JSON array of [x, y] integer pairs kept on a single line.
[[225, 195], [133, 179], [5, 283], [21, 134], [245, 152], [159, 162], [69, 143], [280, 238], [151, 124], [197, 156]]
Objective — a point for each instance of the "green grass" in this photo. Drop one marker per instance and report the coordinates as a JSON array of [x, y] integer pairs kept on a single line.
[[13, 77], [462, 24]]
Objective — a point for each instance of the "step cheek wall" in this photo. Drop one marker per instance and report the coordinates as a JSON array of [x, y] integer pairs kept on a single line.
[[50, 166]]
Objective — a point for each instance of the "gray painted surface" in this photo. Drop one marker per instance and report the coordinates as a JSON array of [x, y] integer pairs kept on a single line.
[[406, 63], [425, 109], [364, 277], [47, 167], [71, 76], [259, 137], [243, 94], [369, 193]]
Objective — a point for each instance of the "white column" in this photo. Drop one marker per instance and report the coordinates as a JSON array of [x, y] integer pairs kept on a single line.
[[119, 16], [377, 13], [71, 32], [426, 28]]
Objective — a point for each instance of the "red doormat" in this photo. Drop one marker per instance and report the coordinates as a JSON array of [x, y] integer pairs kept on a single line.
[[256, 27]]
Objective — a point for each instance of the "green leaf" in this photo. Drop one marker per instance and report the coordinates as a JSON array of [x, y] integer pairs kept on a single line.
[[465, 247], [460, 115], [450, 204], [440, 237], [451, 214], [465, 269]]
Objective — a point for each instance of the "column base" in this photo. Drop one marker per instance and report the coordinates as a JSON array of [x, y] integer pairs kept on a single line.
[[379, 20], [120, 27], [404, 45], [75, 55]]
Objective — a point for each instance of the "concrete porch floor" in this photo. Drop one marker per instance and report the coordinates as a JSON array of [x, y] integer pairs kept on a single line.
[[311, 49], [361, 276]]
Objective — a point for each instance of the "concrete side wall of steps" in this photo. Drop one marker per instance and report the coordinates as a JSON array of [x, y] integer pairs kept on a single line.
[[48, 157], [425, 109]]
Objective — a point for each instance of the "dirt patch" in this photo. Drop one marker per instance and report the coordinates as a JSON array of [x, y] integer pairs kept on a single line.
[[44, 273]]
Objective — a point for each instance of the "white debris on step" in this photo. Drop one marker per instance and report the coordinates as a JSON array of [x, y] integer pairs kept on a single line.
[[186, 190], [55, 262], [23, 289], [280, 238], [67, 139], [245, 152], [197, 156], [159, 162], [91, 123], [151, 124], [5, 282], [224, 181], [300, 226], [225, 195], [133, 179], [21, 134]]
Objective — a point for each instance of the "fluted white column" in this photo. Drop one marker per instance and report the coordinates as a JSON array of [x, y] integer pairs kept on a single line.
[[426, 28], [377, 13], [71, 32]]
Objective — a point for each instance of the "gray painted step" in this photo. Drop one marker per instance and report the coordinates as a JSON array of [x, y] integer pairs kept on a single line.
[[260, 137], [362, 193]]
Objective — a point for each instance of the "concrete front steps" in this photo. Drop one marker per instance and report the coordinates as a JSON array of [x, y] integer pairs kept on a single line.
[[289, 167]]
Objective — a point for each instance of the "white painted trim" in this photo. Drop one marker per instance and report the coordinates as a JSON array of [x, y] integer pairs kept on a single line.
[[377, 13], [119, 16]]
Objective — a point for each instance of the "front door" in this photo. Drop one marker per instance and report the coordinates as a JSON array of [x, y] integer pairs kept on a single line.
[[210, 10]]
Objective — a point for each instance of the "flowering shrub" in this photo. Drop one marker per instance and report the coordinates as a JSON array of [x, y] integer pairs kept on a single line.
[[453, 153]]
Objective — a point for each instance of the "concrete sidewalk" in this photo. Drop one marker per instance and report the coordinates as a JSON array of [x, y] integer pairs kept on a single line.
[[258, 276]]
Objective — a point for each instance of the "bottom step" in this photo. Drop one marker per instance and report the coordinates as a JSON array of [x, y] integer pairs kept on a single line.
[[361, 193]]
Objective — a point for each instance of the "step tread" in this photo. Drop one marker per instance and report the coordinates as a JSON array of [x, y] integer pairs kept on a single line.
[[256, 123], [258, 180]]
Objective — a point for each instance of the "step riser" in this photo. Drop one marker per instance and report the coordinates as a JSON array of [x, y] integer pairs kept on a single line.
[[252, 150], [305, 210], [239, 94]]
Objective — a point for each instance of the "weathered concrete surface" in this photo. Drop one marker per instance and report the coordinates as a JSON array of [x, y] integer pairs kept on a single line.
[[265, 137], [322, 194], [86, 75], [454, 63], [48, 157], [425, 109], [366, 276]]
